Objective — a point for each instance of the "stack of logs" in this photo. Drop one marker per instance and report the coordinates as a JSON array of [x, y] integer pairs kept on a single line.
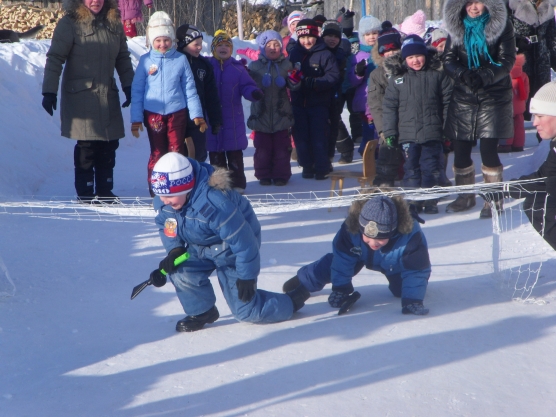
[[256, 19], [21, 17]]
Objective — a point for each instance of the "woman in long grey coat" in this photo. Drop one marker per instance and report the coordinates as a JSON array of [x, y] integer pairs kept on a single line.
[[479, 55], [90, 41]]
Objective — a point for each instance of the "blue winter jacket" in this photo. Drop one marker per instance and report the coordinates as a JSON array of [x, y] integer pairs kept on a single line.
[[406, 255], [169, 88], [214, 218]]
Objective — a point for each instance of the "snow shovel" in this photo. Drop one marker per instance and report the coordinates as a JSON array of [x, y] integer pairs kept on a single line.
[[157, 277]]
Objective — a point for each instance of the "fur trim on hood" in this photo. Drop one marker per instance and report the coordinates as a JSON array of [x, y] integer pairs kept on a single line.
[[220, 179], [405, 221], [397, 66], [525, 11], [454, 11], [77, 11]]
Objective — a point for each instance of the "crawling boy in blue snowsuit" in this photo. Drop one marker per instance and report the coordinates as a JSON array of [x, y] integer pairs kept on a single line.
[[380, 234], [199, 212]]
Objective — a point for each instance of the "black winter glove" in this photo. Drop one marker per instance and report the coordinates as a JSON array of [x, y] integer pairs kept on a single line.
[[309, 82], [49, 102], [361, 68], [258, 95], [410, 306], [475, 81], [157, 278], [168, 263], [216, 129], [339, 294], [127, 92], [246, 289]]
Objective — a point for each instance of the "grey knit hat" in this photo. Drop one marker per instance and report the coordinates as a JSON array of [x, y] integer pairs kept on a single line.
[[379, 218], [544, 101]]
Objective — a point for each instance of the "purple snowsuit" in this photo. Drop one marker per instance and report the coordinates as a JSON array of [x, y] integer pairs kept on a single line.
[[359, 83], [131, 9]]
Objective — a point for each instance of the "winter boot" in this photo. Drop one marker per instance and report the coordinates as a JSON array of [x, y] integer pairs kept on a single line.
[[291, 284], [464, 202], [430, 207], [491, 175], [194, 323], [346, 158], [299, 295]]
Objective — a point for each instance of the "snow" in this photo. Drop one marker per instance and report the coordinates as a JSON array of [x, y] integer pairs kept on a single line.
[[73, 344]]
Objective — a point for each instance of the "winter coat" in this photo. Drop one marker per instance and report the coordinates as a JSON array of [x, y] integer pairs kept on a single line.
[[232, 82], [164, 84], [131, 9], [91, 47], [274, 112], [319, 63], [520, 85], [415, 103], [405, 256], [378, 82], [487, 113], [359, 83], [528, 20], [214, 218], [203, 72], [342, 56]]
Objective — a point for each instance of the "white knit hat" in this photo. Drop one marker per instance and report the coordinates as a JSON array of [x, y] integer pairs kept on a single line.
[[544, 102], [172, 175], [160, 24]]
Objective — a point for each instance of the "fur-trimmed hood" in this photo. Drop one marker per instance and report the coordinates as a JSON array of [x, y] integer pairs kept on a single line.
[[405, 221], [525, 11], [220, 179], [395, 65], [454, 11], [81, 14]]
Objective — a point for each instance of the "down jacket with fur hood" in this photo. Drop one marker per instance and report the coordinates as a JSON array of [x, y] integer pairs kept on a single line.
[[487, 113], [91, 47], [405, 257], [214, 218], [415, 102]]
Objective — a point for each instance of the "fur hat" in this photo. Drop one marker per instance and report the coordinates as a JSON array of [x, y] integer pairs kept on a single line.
[[413, 45], [172, 175], [160, 24], [389, 39], [221, 36], [544, 101], [187, 34], [438, 36], [331, 28], [414, 24], [307, 27], [368, 24], [379, 218]]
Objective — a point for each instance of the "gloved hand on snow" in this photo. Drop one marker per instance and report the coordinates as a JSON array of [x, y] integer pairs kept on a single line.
[[339, 295]]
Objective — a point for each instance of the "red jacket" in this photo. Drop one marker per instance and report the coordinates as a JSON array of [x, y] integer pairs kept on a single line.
[[520, 85]]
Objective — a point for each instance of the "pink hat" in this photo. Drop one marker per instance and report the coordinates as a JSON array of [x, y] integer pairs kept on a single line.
[[414, 24]]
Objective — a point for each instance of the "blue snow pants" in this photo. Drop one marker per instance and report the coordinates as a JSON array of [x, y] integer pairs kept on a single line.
[[196, 295], [310, 134], [423, 163]]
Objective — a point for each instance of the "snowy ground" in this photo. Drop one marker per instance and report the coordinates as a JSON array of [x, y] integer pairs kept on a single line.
[[73, 344]]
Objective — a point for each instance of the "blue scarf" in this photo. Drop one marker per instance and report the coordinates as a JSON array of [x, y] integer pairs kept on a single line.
[[475, 41]]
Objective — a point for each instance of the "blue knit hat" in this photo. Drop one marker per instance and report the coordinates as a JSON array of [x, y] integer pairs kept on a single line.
[[267, 36], [379, 218], [413, 45]]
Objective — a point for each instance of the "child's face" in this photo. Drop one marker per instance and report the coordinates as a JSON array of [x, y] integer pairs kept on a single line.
[[415, 62], [546, 126], [162, 44], [175, 201], [371, 37], [307, 41], [194, 48], [331, 41], [375, 244], [390, 53], [223, 51], [292, 26], [272, 50], [440, 47]]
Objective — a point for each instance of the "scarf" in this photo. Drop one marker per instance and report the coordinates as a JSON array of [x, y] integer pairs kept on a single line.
[[475, 41]]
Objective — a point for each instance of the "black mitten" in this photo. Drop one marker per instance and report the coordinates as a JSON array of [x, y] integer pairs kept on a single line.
[[339, 294], [168, 263], [246, 289], [361, 67], [157, 278], [258, 95], [49, 102], [127, 92]]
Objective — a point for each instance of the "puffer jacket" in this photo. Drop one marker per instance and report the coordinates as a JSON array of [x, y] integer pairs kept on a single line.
[[274, 112], [131, 9], [487, 113], [406, 255], [88, 48], [214, 218], [416, 102], [320, 64], [164, 84], [360, 83]]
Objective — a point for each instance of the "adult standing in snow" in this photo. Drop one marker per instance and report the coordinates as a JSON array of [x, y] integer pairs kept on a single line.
[[381, 235], [199, 212], [479, 55], [534, 20], [90, 41]]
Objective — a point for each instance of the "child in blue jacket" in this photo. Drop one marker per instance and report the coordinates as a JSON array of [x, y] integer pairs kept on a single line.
[[164, 96], [381, 235]]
